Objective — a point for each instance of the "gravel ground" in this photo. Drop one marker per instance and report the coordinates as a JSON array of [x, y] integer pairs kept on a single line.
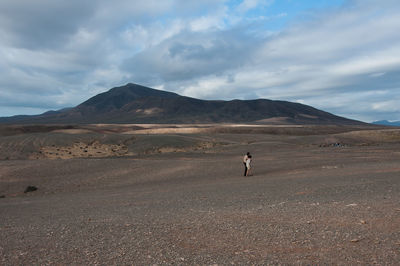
[[304, 204]]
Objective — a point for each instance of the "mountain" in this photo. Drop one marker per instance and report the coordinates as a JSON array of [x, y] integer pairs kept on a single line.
[[133, 103], [387, 123]]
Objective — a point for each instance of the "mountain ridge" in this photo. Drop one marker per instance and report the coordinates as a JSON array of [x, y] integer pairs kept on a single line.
[[387, 123], [133, 103]]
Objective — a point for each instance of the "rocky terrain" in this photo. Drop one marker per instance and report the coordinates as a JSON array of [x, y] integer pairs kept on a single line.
[[176, 195]]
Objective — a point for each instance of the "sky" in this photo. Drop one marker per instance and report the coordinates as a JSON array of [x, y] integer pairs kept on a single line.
[[341, 56]]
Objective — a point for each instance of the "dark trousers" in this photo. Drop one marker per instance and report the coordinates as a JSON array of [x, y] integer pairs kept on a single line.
[[245, 169]]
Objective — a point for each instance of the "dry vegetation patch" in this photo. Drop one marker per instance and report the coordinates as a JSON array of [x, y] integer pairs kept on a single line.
[[81, 150]]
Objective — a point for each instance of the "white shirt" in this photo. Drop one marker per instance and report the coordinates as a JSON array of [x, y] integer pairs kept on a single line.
[[248, 163]]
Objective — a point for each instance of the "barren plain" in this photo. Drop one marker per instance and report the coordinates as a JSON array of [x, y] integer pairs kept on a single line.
[[176, 194]]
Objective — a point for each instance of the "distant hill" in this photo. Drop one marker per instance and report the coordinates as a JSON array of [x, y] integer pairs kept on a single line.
[[133, 103], [387, 123]]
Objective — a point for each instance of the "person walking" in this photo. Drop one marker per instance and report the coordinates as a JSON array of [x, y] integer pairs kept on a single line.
[[245, 163]]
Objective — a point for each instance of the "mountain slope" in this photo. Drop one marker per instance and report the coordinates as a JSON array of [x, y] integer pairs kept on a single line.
[[133, 103]]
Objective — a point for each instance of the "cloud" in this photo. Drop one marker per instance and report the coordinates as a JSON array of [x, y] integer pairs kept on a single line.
[[52, 52], [247, 5], [190, 55], [41, 24]]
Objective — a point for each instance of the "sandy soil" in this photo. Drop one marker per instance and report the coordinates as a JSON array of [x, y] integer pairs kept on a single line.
[[305, 203]]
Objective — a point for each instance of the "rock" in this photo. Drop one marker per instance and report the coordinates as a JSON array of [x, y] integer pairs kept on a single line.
[[363, 222], [2, 196], [355, 240], [30, 189]]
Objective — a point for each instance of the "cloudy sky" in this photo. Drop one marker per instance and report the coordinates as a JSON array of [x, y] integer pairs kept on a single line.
[[342, 56]]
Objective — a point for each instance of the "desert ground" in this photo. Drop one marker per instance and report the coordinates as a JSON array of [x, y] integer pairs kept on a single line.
[[176, 194]]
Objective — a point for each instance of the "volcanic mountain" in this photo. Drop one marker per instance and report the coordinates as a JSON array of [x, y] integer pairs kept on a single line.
[[133, 103]]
